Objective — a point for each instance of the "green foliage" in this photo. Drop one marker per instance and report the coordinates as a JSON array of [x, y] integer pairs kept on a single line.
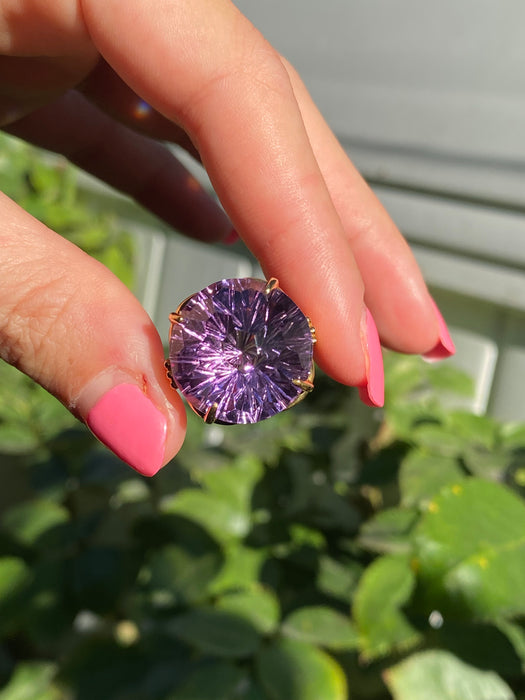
[[331, 552], [48, 190], [438, 675]]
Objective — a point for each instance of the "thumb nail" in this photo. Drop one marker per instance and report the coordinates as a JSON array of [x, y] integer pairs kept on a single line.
[[127, 421]]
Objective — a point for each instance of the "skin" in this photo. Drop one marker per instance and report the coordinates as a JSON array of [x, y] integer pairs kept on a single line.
[[72, 73]]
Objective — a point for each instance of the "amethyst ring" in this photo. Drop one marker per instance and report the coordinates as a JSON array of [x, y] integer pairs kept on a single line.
[[240, 351]]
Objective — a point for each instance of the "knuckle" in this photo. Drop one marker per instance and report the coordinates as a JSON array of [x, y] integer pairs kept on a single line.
[[253, 73]]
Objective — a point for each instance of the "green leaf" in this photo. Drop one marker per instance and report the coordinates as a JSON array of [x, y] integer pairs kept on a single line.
[[30, 520], [294, 670], [386, 586], [471, 551], [220, 517], [447, 378], [258, 606], [487, 463], [439, 675], [338, 577], [14, 577], [473, 429], [241, 568], [250, 690], [215, 632], [213, 681], [440, 439], [184, 572], [423, 474], [32, 680], [323, 626], [515, 633], [17, 438], [99, 667], [234, 483], [479, 644], [302, 535], [329, 511], [403, 374], [513, 435], [388, 531]]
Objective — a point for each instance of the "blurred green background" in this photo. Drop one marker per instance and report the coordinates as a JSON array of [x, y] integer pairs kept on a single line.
[[331, 552]]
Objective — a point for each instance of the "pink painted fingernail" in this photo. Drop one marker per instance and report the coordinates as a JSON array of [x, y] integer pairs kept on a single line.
[[126, 421], [372, 393], [445, 346], [231, 238]]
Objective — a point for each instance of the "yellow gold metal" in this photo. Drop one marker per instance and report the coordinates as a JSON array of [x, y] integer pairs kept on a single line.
[[303, 384], [306, 386], [272, 283], [175, 317], [312, 330], [211, 413], [169, 374]]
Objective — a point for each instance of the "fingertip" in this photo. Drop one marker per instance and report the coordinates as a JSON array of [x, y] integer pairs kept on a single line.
[[372, 391], [129, 424], [444, 347], [134, 427]]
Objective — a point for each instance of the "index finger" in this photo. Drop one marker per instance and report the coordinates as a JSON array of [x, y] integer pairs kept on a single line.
[[204, 66]]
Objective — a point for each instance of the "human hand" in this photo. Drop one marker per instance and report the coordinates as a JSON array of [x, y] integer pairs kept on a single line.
[[102, 84]]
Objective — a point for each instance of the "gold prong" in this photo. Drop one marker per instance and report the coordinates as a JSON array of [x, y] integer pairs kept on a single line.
[[312, 330], [304, 384], [175, 317], [167, 365], [209, 416], [272, 283]]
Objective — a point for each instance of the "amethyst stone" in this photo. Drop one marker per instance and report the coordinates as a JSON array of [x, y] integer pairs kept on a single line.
[[241, 352]]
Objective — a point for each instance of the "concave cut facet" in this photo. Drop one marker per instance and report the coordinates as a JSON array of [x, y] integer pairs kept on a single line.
[[240, 348]]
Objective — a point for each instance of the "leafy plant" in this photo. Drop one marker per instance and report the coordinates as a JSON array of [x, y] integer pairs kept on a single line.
[[330, 552]]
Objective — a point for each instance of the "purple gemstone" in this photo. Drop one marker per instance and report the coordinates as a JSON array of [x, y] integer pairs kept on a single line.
[[241, 348]]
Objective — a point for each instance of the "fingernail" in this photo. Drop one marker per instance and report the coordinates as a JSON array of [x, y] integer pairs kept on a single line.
[[445, 346], [126, 421], [231, 238], [372, 393]]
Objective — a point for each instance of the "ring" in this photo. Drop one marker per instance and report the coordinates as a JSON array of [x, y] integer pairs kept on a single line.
[[240, 351]]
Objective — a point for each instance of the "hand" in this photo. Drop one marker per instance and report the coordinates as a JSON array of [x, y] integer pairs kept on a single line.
[[102, 82]]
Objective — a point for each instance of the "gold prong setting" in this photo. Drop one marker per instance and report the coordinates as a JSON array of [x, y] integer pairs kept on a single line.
[[273, 283], [176, 317], [211, 413], [304, 385]]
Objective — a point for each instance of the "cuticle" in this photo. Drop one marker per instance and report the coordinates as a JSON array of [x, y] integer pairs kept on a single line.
[[116, 373]]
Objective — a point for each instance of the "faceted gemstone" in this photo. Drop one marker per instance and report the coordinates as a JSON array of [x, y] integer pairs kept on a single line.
[[239, 347]]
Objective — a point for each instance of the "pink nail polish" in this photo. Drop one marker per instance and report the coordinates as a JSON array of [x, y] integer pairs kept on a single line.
[[126, 421], [231, 238], [372, 393], [445, 346]]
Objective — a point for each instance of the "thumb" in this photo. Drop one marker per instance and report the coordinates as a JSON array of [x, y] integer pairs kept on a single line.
[[70, 324]]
